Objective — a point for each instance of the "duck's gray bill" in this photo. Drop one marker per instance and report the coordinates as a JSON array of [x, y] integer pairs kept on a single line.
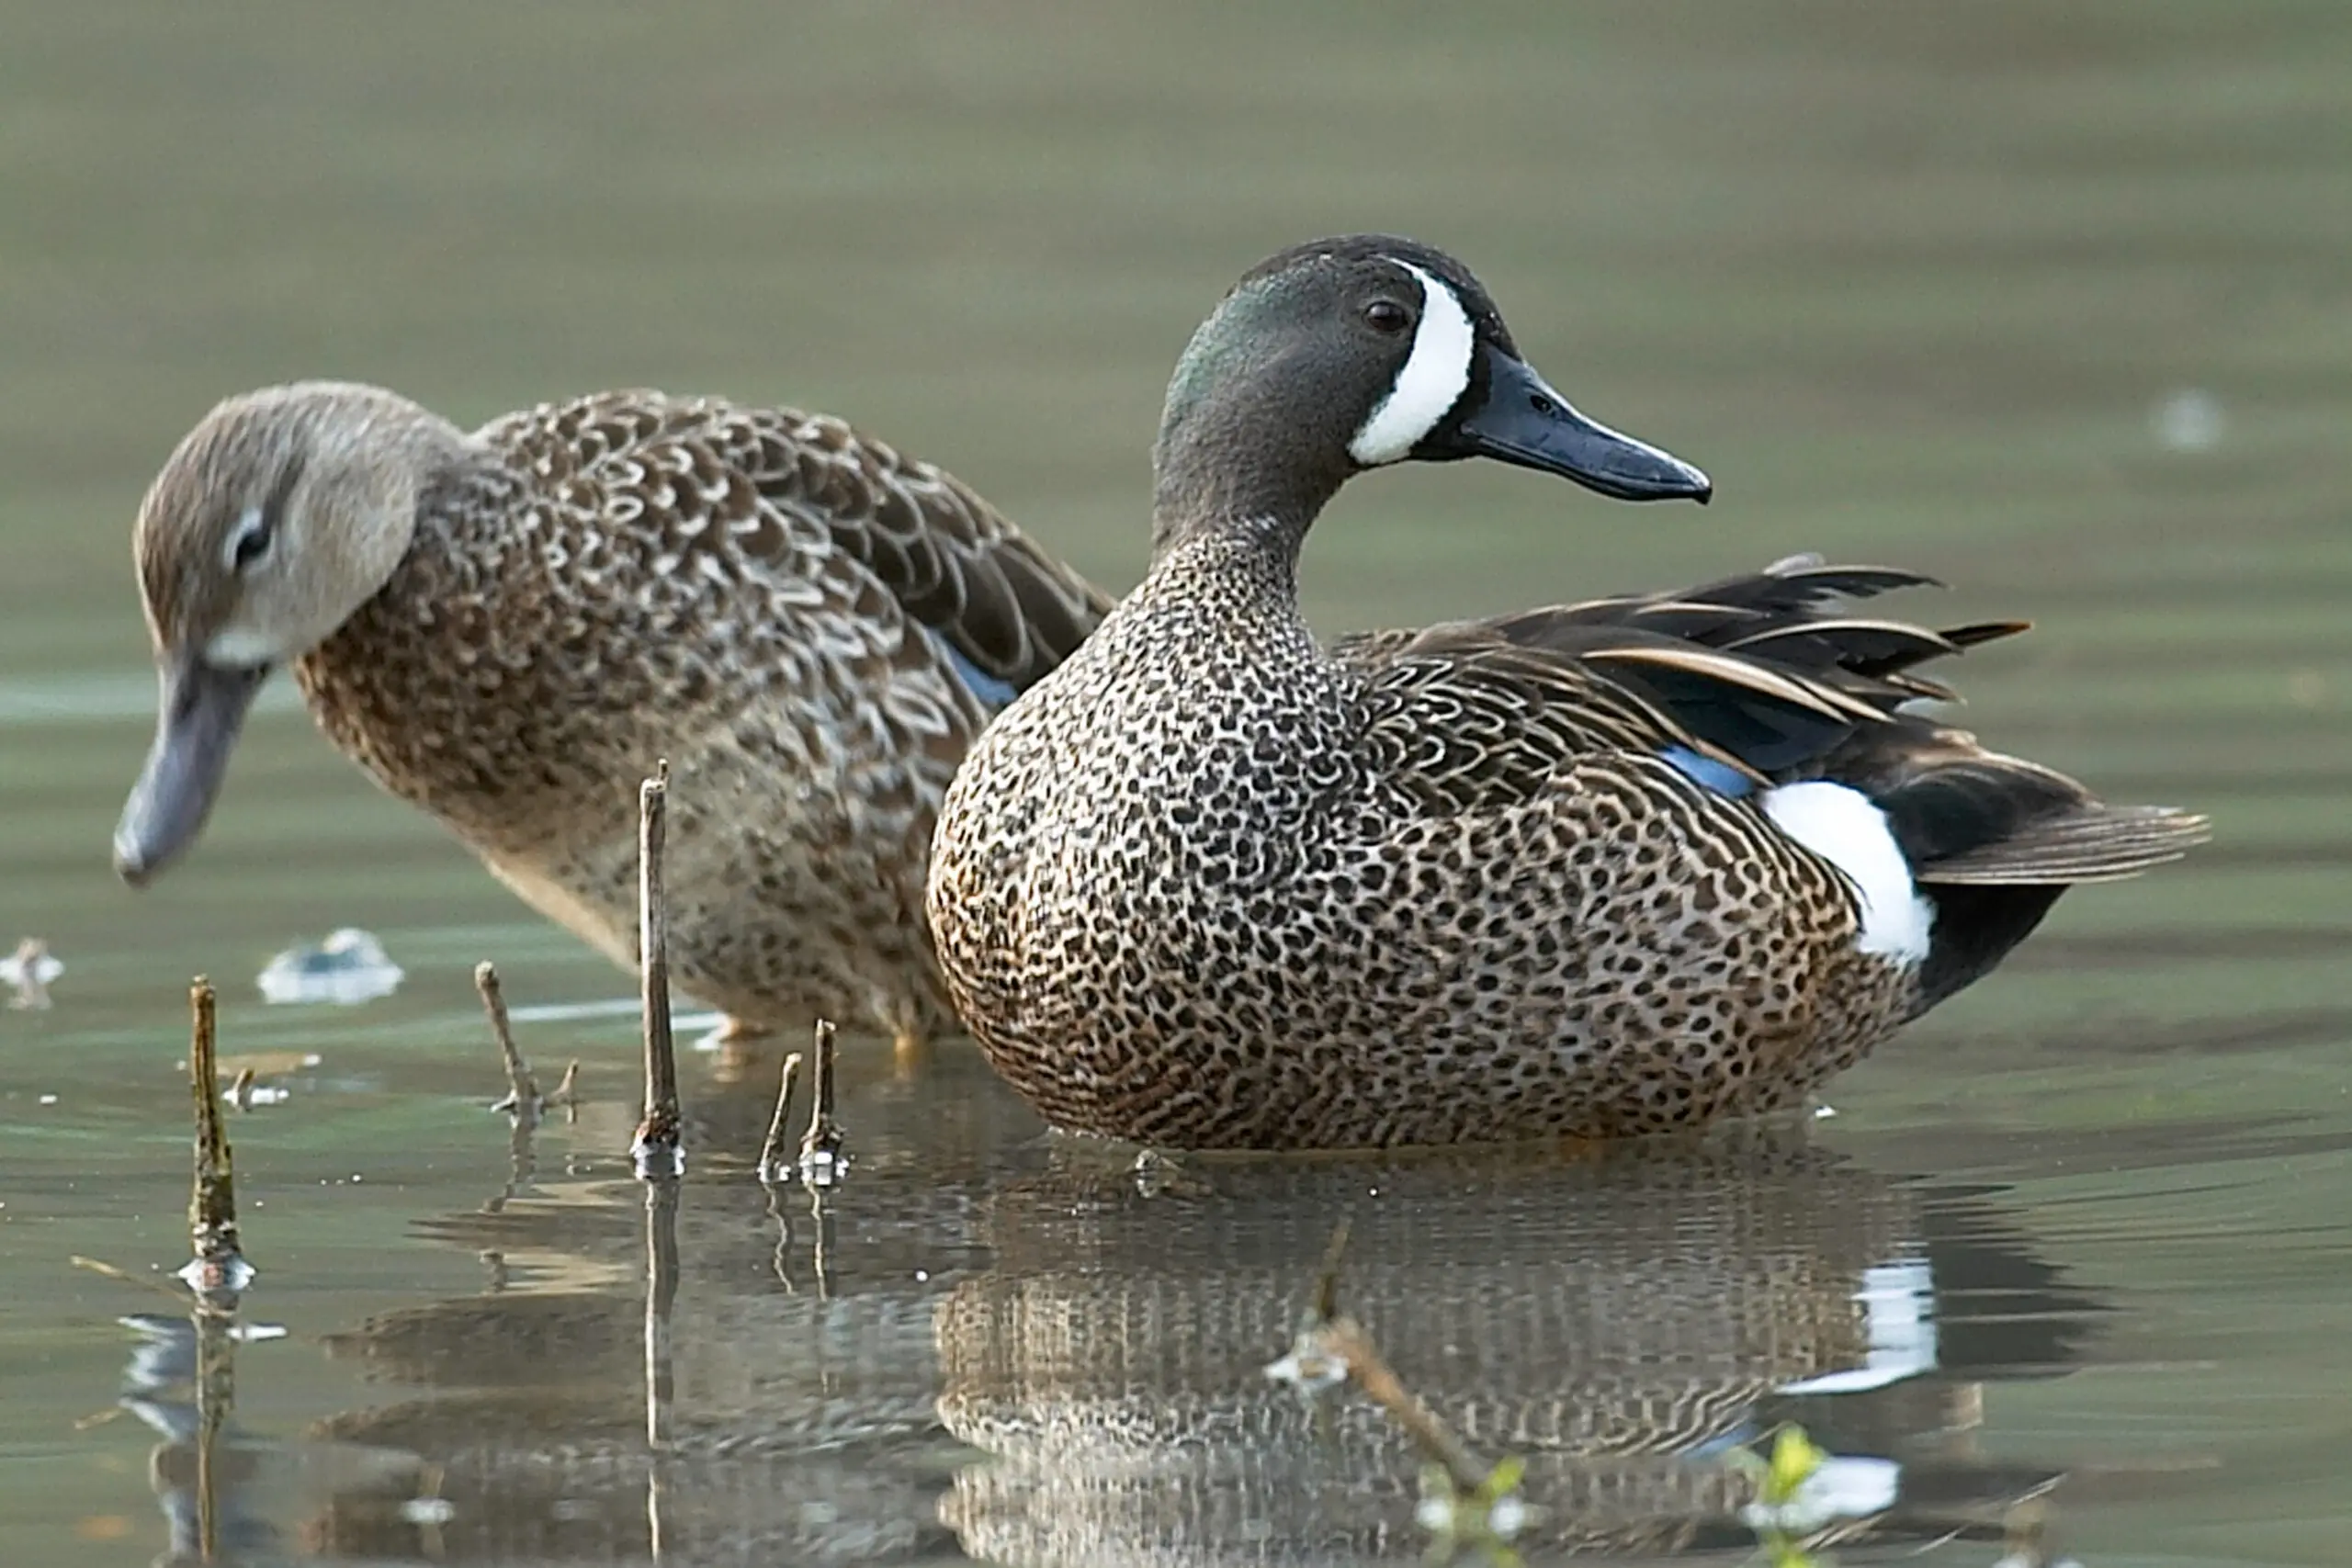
[[203, 708], [1522, 420]]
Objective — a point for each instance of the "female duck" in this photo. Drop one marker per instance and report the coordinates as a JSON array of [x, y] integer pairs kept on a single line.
[[508, 628], [1601, 870]]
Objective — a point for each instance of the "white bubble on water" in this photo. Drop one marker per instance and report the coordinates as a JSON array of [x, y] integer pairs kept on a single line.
[[2190, 420]]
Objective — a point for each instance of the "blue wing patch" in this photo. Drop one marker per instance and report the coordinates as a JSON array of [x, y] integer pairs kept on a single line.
[[989, 689], [1707, 773]]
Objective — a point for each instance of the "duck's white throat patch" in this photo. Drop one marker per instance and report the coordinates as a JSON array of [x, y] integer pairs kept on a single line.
[[239, 648], [1432, 380], [1842, 827]]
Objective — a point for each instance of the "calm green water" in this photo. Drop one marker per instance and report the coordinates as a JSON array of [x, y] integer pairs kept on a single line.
[[1916, 285]]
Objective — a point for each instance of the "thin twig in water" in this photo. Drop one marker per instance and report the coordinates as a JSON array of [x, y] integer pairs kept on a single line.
[[106, 1270], [218, 1270], [823, 1159], [522, 1089], [1345, 1338], [1463, 1499], [1325, 1304], [773, 1165], [567, 1092], [659, 1148]]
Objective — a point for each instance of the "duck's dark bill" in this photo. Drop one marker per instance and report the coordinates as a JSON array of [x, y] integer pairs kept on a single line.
[[1522, 420], [203, 708]]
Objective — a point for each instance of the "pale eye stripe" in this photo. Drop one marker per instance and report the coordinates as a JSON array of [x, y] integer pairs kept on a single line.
[[1434, 377]]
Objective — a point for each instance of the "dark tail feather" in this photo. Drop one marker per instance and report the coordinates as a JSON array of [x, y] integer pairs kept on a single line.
[[2088, 842], [1993, 840], [1973, 931], [1990, 898]]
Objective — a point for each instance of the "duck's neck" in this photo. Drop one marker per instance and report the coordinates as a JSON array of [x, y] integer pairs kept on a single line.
[[1235, 468], [1245, 573]]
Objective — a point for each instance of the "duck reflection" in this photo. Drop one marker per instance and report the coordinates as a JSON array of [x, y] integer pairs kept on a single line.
[[712, 1374], [1619, 1319], [992, 1344]]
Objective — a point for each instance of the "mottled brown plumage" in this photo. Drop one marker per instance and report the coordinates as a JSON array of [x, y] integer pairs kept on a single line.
[[1596, 870], [508, 628]]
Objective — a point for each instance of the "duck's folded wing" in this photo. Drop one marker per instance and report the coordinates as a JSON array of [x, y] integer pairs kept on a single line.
[[1468, 715], [720, 487], [1007, 609], [1770, 672], [1791, 615], [1644, 676]]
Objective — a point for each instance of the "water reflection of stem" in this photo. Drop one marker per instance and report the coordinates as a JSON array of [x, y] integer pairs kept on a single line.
[[521, 1161], [216, 1397], [653, 1508], [659, 1147], [783, 1218], [822, 1246], [660, 1294]]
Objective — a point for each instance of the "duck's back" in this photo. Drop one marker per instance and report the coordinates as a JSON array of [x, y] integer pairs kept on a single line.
[[807, 627]]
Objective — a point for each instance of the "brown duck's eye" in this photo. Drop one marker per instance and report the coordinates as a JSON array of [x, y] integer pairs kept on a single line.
[[1387, 316], [252, 542]]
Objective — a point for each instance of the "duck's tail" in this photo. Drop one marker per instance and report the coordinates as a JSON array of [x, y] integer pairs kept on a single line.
[[1992, 840]]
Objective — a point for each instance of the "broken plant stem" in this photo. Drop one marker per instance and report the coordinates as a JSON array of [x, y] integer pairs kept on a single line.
[[1332, 1347], [220, 1269], [1345, 1338], [522, 1089], [567, 1091], [821, 1157], [659, 1148], [774, 1166]]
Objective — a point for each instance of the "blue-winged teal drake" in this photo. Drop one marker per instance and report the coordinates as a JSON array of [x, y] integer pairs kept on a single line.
[[1596, 871], [508, 628]]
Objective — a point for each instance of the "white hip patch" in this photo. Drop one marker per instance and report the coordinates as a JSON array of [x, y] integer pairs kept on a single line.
[[1842, 827], [1432, 380]]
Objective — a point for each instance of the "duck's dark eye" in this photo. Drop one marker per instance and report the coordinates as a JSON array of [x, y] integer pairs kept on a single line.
[[1387, 316], [250, 544]]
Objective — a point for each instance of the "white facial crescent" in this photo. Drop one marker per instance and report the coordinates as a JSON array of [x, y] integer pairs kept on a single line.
[[1432, 380]]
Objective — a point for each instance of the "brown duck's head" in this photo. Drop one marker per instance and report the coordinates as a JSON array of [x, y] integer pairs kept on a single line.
[[276, 517]]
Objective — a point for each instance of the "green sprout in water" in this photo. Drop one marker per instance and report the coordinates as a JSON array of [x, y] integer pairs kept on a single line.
[[1482, 1518], [1786, 1512]]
